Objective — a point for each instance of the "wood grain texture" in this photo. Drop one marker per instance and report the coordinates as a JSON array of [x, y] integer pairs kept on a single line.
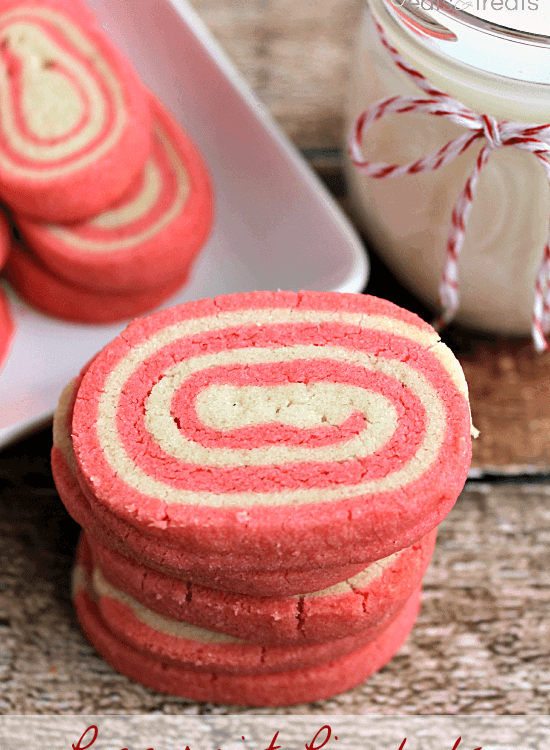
[[481, 644], [510, 396], [295, 56], [509, 385]]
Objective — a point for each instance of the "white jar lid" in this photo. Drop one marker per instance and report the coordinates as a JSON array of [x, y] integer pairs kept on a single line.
[[487, 34]]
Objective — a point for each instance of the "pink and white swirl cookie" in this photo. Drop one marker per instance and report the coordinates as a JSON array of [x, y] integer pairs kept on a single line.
[[362, 602], [59, 298], [276, 688], [75, 124], [276, 431], [151, 235]]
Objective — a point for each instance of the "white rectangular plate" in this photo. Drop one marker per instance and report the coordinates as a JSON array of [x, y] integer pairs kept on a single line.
[[276, 227]]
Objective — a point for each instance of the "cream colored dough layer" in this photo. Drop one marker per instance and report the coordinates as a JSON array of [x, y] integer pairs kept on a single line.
[[360, 580], [135, 209], [79, 580], [302, 405], [50, 105], [61, 435], [42, 90]]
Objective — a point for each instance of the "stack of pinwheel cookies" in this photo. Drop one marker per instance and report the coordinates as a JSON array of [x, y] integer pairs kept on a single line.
[[259, 478], [110, 199]]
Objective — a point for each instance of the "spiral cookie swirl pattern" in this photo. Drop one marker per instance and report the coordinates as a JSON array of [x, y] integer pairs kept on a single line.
[[74, 117], [312, 427]]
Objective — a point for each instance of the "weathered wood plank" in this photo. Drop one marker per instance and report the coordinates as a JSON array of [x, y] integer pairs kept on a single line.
[[295, 56]]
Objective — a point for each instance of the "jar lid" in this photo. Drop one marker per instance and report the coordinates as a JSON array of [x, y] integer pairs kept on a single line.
[[505, 37]]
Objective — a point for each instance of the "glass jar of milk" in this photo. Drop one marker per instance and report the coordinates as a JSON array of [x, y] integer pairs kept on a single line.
[[493, 56]]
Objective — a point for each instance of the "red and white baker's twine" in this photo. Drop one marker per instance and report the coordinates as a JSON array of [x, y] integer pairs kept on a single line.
[[532, 138]]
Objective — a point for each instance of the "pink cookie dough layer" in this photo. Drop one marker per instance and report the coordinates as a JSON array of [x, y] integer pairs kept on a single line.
[[7, 327], [60, 299], [152, 234], [360, 603], [76, 128], [271, 689], [191, 647], [281, 429]]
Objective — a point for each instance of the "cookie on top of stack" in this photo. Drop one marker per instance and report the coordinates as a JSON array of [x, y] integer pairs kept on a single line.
[[111, 199], [259, 478]]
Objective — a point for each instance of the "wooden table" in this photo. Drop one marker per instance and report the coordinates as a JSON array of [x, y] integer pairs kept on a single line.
[[482, 642]]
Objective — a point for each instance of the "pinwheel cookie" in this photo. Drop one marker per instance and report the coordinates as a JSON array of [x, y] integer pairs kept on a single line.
[[151, 235], [275, 431], [75, 129], [353, 606], [160, 672], [59, 298]]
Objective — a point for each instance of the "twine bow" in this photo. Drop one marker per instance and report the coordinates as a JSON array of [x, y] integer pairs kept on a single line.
[[532, 138]]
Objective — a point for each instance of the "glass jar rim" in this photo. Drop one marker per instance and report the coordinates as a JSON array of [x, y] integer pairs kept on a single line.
[[440, 11], [479, 43]]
